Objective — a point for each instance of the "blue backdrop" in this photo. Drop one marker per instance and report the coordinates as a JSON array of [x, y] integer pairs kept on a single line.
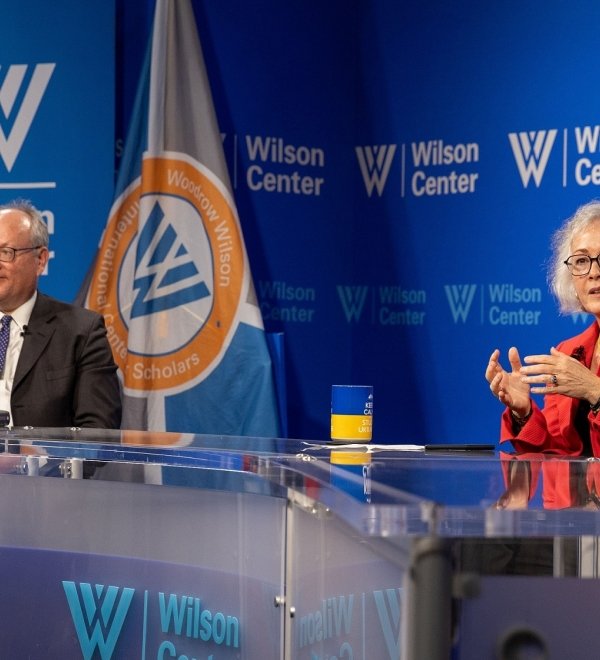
[[57, 96], [398, 169]]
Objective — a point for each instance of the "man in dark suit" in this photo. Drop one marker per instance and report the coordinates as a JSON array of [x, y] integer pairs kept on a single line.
[[59, 368]]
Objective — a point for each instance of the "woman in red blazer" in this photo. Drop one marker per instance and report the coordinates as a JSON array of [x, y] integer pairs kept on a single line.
[[569, 376]]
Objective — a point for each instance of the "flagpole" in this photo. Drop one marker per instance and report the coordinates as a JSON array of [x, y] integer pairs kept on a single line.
[[156, 101]]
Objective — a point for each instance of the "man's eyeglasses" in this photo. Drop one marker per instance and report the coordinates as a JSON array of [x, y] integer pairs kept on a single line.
[[578, 264], [9, 253]]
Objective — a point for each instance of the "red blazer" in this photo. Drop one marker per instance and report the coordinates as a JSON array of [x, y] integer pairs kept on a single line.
[[551, 429], [564, 484]]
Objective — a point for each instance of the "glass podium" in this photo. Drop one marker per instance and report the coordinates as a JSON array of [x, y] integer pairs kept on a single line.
[[122, 544]]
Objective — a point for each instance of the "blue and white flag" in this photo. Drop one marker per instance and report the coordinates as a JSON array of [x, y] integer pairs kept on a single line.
[[171, 276]]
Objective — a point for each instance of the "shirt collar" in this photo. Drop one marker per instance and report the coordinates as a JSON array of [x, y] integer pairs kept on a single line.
[[22, 314]]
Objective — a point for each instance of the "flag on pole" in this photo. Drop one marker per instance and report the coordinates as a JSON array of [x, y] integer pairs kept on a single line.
[[171, 275]]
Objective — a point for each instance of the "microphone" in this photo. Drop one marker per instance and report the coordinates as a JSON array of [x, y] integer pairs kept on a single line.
[[25, 331]]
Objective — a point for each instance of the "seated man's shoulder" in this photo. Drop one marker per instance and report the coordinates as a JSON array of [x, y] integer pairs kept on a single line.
[[67, 311]]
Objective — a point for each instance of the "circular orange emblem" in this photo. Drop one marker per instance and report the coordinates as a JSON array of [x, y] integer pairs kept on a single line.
[[170, 275]]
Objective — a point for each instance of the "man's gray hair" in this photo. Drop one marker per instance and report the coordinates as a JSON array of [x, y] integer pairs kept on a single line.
[[39, 229]]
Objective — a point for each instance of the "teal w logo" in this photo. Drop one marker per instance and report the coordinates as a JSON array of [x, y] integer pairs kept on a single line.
[[388, 604], [353, 300], [460, 298], [98, 613]]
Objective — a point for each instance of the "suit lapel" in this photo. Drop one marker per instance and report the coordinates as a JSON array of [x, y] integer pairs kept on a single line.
[[39, 332]]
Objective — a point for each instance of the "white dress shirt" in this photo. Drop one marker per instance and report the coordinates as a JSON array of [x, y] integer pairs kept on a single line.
[[20, 320]]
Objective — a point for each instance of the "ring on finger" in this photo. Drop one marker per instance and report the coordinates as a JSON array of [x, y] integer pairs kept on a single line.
[[554, 380]]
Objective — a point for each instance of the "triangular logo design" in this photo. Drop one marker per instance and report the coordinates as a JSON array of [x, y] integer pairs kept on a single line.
[[165, 274], [353, 300], [21, 116], [460, 298], [532, 151], [375, 163], [98, 613], [388, 610]]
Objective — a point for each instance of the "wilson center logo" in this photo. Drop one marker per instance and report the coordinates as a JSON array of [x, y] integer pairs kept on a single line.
[[28, 88], [98, 614], [375, 163], [353, 300], [531, 151], [501, 303], [388, 605], [165, 275], [170, 276], [460, 298]]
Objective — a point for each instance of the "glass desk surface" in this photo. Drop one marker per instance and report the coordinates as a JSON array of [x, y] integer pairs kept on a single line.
[[381, 492]]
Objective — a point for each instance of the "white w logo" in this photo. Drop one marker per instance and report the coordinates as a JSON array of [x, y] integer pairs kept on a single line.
[[460, 299], [10, 145], [531, 151], [166, 276], [98, 614], [353, 300], [375, 163]]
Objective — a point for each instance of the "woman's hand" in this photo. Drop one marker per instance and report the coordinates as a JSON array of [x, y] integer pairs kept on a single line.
[[510, 388], [558, 373]]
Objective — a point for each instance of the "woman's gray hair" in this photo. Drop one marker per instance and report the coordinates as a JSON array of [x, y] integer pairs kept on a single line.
[[561, 280], [39, 230]]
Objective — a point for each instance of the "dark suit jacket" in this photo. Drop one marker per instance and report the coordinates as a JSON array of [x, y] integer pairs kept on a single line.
[[66, 375], [552, 429]]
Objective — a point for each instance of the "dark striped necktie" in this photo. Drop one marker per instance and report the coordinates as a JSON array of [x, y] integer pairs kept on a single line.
[[4, 339]]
